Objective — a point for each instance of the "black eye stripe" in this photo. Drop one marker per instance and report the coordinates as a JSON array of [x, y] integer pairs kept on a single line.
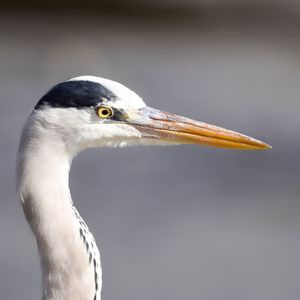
[[79, 94]]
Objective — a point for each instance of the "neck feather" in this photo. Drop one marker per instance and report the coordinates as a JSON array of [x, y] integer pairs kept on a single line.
[[43, 166]]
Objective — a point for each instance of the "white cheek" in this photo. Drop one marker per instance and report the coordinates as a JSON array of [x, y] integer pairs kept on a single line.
[[108, 135], [118, 130]]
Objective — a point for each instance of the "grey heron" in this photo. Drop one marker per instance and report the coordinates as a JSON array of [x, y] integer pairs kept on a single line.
[[77, 114]]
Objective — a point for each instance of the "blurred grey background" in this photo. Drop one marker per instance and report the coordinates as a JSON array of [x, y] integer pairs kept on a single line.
[[173, 222]]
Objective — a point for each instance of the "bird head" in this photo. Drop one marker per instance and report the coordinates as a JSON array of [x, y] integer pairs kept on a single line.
[[86, 112]]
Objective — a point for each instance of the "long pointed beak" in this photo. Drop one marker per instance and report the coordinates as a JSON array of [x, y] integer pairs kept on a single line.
[[176, 129]]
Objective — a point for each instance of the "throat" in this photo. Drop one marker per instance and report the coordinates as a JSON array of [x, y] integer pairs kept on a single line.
[[69, 256]]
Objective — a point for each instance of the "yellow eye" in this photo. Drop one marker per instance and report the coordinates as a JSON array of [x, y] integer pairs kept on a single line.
[[104, 112]]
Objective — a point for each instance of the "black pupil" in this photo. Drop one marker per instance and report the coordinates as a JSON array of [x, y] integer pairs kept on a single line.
[[105, 112]]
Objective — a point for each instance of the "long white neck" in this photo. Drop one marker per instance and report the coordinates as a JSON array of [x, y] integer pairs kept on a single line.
[[69, 256]]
